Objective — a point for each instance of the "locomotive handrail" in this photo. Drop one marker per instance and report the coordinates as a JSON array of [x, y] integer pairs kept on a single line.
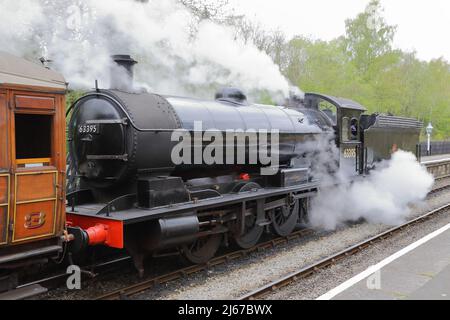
[[121, 203], [133, 124]]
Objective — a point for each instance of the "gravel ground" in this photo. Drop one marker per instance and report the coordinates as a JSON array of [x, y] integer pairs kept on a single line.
[[231, 280], [112, 280], [442, 183], [328, 279]]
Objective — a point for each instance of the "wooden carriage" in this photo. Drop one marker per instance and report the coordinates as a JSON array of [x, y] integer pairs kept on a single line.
[[32, 162]]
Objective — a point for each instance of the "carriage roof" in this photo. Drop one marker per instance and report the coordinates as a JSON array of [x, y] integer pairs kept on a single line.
[[18, 71]]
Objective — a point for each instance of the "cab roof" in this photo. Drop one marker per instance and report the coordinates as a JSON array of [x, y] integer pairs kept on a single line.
[[18, 71], [312, 98]]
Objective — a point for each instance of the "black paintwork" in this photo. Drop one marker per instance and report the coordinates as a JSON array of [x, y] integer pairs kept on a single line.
[[120, 146], [135, 134]]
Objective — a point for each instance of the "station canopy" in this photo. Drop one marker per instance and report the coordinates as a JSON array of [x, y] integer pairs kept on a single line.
[[18, 71]]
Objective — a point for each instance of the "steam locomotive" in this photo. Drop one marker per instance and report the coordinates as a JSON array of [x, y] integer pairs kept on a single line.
[[125, 190], [246, 169]]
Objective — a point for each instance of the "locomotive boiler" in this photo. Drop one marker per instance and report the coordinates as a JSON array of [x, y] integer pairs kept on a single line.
[[117, 134], [126, 190]]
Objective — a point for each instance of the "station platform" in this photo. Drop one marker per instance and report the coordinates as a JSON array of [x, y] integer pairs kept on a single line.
[[420, 271], [435, 158]]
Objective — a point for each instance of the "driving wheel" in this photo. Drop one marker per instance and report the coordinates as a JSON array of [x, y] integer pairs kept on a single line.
[[202, 250], [252, 232], [284, 219]]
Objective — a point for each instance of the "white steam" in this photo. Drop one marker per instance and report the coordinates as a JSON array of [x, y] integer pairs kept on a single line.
[[80, 35], [383, 197]]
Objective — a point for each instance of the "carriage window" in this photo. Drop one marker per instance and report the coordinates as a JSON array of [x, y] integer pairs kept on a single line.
[[33, 139], [345, 129]]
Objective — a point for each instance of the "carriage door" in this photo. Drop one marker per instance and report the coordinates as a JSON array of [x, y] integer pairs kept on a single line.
[[4, 172], [36, 176]]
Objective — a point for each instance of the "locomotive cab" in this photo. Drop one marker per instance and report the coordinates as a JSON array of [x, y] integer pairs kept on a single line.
[[345, 115], [364, 140]]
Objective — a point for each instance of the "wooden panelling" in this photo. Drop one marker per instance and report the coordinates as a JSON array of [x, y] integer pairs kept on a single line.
[[34, 209], [31, 102], [3, 224], [4, 194], [41, 161], [34, 220], [4, 207], [4, 150], [31, 187]]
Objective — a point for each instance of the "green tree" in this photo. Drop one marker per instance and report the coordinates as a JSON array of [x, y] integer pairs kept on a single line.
[[368, 38]]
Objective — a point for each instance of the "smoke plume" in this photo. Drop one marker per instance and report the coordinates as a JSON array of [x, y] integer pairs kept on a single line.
[[383, 197], [80, 35]]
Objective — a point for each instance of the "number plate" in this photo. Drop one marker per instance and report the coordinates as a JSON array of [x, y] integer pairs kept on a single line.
[[89, 128]]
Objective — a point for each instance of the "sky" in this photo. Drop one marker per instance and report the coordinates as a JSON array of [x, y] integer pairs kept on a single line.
[[423, 25]]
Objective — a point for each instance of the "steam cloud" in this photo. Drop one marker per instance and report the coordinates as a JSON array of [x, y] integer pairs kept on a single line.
[[383, 197], [80, 35]]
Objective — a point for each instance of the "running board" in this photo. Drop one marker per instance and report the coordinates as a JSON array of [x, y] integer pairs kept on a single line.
[[30, 254], [23, 293]]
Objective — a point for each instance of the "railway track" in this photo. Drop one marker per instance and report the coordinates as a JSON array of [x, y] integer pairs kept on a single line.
[[332, 260], [56, 280], [438, 189], [127, 292]]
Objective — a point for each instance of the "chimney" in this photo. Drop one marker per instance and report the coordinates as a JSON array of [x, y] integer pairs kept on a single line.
[[122, 72]]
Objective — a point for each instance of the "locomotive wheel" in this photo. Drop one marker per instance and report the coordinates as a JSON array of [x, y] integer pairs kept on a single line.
[[202, 250], [284, 219], [304, 211], [252, 232]]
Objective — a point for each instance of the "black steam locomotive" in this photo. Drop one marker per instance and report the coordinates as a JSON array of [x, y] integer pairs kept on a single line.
[[126, 190]]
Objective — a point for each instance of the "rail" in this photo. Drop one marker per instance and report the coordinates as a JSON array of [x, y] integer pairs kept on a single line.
[[440, 168], [332, 260]]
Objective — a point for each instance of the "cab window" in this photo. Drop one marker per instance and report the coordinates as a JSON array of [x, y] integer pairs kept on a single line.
[[354, 129], [330, 110]]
